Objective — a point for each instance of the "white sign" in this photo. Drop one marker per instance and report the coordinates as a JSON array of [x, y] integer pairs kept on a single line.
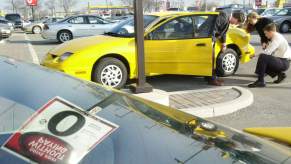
[[59, 132]]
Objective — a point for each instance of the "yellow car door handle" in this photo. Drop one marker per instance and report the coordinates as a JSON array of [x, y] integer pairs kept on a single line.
[[201, 45]]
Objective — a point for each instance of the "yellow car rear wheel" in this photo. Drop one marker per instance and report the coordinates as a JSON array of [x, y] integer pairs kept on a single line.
[[111, 72]]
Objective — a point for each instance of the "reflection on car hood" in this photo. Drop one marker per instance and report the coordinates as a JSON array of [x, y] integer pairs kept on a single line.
[[147, 133], [275, 17], [83, 43]]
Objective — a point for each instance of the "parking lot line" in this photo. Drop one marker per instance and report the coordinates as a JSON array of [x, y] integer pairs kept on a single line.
[[33, 54]]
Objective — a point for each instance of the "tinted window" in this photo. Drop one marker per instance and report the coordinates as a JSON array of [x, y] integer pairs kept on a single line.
[[13, 17], [282, 12], [203, 26], [180, 28], [77, 20], [126, 28], [94, 20]]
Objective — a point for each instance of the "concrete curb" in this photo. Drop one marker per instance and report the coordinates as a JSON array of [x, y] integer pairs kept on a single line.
[[245, 99]]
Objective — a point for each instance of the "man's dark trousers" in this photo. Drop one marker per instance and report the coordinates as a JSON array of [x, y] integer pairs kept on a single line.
[[270, 65]]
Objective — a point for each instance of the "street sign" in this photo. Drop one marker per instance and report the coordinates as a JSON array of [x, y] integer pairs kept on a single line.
[[31, 2], [58, 133]]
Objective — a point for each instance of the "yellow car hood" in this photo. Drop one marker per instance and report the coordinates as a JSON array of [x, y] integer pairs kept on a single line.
[[76, 45]]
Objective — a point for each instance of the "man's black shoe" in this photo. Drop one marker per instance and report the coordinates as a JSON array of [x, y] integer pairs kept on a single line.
[[281, 77], [257, 84]]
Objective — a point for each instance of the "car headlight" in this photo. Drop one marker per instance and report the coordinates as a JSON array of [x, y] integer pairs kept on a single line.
[[65, 56]]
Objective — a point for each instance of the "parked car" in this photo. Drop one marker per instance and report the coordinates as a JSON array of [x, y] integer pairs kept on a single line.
[[15, 19], [76, 26], [270, 12], [147, 133], [235, 7], [193, 8], [282, 19], [6, 28], [175, 9], [171, 47], [37, 26]]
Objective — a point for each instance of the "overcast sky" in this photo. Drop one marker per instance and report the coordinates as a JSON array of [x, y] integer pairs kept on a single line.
[[84, 3]]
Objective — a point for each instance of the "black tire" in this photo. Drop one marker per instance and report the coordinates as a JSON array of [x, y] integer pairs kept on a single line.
[[68, 34], [226, 67], [104, 64], [35, 28], [285, 27]]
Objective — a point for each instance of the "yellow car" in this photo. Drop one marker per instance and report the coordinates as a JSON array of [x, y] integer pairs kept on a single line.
[[175, 43]]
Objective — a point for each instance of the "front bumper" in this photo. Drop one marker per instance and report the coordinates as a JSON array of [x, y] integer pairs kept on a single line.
[[247, 53], [49, 35], [5, 33], [52, 61]]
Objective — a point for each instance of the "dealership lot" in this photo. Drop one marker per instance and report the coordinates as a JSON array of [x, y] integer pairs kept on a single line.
[[271, 105]]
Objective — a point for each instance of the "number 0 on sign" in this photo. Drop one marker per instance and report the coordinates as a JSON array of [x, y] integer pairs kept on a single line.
[[50, 135]]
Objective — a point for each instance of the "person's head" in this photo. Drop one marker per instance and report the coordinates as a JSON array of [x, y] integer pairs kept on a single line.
[[237, 18], [270, 30], [253, 18]]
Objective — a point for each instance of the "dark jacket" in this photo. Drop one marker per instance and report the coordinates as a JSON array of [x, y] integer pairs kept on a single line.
[[221, 26], [260, 25]]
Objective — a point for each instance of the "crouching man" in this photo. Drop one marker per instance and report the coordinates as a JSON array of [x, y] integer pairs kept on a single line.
[[275, 59]]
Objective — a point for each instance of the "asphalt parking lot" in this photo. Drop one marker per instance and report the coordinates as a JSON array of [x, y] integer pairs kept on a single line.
[[271, 107]]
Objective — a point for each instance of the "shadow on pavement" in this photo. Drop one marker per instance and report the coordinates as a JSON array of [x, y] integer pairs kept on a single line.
[[246, 75], [44, 42], [173, 83], [41, 42], [18, 41]]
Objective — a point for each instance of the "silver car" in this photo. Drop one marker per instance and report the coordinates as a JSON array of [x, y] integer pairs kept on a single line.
[[76, 26], [37, 27], [6, 28]]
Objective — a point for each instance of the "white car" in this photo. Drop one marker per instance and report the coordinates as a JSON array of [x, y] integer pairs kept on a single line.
[[76, 26], [37, 27]]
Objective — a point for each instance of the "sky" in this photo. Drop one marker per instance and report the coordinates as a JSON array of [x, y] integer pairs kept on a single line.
[[84, 3]]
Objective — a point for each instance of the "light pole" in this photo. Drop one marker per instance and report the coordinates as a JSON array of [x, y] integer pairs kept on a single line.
[[141, 86]]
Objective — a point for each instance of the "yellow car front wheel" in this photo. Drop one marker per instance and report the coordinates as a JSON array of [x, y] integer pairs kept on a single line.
[[111, 72], [227, 63]]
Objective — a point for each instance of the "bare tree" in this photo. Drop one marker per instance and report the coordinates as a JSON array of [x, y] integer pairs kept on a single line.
[[16, 5], [68, 5], [51, 6], [127, 2]]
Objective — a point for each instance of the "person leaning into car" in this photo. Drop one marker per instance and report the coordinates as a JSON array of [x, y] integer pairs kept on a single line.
[[275, 59], [258, 23], [221, 26]]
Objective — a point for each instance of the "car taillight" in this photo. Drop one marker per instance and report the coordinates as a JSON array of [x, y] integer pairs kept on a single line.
[[46, 27]]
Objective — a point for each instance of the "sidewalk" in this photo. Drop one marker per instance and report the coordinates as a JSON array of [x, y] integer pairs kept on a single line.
[[204, 103]]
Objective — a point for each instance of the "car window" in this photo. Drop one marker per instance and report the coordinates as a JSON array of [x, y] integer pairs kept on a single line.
[[203, 26], [94, 20], [180, 28], [77, 20], [282, 12]]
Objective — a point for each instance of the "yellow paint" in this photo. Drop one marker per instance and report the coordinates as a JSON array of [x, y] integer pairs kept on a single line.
[[282, 134], [161, 57]]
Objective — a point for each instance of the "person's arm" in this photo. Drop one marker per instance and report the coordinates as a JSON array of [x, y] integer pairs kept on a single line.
[[272, 47]]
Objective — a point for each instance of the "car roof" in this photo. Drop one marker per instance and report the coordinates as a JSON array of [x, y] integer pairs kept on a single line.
[[168, 13]]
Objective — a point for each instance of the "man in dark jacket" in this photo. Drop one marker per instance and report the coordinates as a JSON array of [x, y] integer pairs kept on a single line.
[[219, 34]]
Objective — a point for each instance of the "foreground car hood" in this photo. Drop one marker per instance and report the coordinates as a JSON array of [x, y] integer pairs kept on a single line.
[[147, 133], [79, 44]]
